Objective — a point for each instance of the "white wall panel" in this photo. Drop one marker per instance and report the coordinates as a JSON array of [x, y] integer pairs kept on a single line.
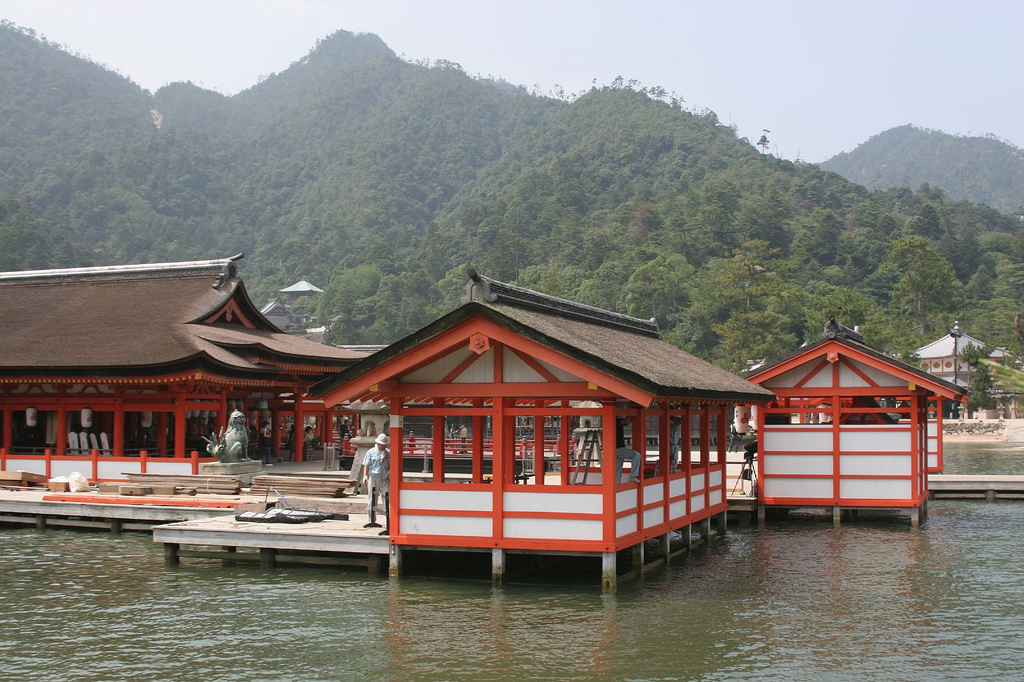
[[875, 465], [933, 460], [875, 488], [106, 469], [469, 500], [894, 439], [715, 478], [811, 488], [804, 438], [553, 529], [677, 510], [625, 499], [553, 502], [697, 503], [697, 482], [714, 497], [456, 526], [162, 466], [653, 493], [32, 466], [625, 525], [797, 464], [677, 487], [654, 517]]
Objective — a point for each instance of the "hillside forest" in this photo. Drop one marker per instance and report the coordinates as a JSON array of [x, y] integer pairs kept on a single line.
[[381, 181]]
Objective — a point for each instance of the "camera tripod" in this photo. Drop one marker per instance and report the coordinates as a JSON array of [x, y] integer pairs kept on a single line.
[[747, 473]]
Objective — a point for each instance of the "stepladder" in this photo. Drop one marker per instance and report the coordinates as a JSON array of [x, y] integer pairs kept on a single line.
[[585, 455]]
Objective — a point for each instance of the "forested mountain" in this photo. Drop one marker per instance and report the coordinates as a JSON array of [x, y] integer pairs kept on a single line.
[[381, 180], [984, 169]]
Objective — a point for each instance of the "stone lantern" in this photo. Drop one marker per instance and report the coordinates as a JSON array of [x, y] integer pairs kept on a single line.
[[374, 418]]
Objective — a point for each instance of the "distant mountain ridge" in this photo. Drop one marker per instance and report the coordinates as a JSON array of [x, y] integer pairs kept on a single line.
[[984, 169], [381, 180]]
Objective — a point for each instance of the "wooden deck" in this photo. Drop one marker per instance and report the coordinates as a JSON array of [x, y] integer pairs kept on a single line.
[[42, 508], [989, 487], [331, 542]]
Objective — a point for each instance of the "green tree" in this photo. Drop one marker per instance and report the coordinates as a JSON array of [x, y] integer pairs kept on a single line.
[[926, 290]]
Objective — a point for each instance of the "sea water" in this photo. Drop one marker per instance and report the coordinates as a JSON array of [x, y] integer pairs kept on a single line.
[[794, 600]]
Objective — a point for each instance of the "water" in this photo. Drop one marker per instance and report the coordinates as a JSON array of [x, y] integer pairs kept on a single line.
[[799, 600]]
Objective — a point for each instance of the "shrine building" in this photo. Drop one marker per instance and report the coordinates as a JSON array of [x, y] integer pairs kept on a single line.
[[853, 428], [570, 423], [124, 369]]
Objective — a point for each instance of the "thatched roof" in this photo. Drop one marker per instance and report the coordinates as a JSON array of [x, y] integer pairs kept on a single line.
[[624, 347], [145, 319]]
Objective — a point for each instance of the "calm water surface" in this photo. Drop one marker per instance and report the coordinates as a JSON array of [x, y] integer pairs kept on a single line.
[[797, 600]]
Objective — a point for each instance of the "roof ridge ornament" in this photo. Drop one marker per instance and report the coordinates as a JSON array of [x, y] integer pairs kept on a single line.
[[481, 288], [833, 330], [478, 288], [222, 269]]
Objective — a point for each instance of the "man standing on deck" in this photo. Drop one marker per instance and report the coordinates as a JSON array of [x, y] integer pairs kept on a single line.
[[377, 470]]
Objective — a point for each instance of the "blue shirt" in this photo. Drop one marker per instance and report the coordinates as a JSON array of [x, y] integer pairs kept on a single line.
[[376, 463]]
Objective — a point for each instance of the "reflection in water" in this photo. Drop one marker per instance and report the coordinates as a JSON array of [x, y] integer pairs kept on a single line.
[[795, 600]]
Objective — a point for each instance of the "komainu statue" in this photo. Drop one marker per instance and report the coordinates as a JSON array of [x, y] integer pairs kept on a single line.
[[233, 444]]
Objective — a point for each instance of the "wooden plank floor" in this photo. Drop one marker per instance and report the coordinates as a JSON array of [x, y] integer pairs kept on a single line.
[[325, 536]]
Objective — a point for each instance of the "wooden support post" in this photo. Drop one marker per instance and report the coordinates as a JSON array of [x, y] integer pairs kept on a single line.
[[375, 564], [609, 573], [688, 537], [40, 522], [705, 528], [268, 558], [722, 523], [638, 557], [837, 515], [115, 526], [171, 554], [915, 517], [497, 565], [760, 514], [665, 547], [394, 561]]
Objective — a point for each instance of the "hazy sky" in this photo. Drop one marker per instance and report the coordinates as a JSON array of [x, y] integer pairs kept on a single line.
[[822, 76]]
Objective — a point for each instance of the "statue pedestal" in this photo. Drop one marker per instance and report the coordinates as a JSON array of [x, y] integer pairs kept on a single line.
[[244, 470]]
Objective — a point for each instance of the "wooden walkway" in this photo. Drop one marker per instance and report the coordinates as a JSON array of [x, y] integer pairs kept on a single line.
[[43, 508], [953, 486], [331, 542]]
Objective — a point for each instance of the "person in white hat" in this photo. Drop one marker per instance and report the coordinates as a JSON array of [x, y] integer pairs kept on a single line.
[[377, 470]]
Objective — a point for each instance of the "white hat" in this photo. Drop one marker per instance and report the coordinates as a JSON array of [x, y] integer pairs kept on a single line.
[[382, 439]]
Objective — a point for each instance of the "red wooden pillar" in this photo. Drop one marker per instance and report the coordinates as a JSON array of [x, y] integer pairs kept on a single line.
[[180, 449], [917, 467], [564, 421], [299, 436], [609, 472], [499, 458], [437, 444], [117, 447], [478, 443], [538, 446], [161, 433], [665, 454], [640, 445], [705, 441], [62, 429], [8, 428], [397, 434]]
